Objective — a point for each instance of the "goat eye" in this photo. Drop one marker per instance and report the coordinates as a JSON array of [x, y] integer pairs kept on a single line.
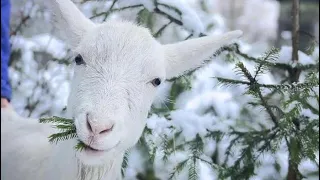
[[79, 60], [156, 82]]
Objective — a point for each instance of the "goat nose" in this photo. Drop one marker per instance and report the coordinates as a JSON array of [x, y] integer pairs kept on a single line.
[[97, 128]]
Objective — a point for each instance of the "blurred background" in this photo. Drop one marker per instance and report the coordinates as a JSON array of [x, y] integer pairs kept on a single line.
[[41, 64]]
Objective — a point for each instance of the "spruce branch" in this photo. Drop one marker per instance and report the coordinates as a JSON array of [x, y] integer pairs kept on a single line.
[[80, 146], [246, 73], [193, 169], [189, 36], [170, 7], [268, 108], [235, 48], [291, 87], [274, 107], [225, 81], [67, 130], [56, 120], [278, 87], [196, 146], [171, 18], [112, 5], [271, 55], [65, 135], [124, 163], [178, 168], [216, 135], [252, 142], [176, 21], [159, 32], [107, 13], [254, 87], [215, 166], [65, 127]]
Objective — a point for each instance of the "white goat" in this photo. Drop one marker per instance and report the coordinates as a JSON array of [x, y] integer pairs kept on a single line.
[[118, 68]]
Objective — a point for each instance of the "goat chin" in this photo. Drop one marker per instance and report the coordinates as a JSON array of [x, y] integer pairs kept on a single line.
[[26, 154]]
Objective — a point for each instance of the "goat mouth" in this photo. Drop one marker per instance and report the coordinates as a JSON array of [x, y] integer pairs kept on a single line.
[[91, 149]]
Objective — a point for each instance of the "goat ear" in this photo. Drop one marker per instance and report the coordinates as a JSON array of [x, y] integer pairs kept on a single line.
[[189, 54], [70, 21]]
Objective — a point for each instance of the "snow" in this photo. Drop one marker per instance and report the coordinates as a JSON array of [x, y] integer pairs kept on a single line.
[[210, 147], [42, 42], [191, 124], [88, 8], [282, 158], [308, 166], [148, 4], [216, 99], [286, 54], [158, 124], [134, 168], [308, 113], [286, 35], [205, 172], [189, 17], [267, 13], [26, 83]]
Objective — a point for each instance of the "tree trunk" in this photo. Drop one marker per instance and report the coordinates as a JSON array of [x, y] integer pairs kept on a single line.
[[294, 72], [295, 30], [294, 77]]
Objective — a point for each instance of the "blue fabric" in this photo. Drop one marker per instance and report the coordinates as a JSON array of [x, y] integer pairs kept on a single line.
[[5, 48]]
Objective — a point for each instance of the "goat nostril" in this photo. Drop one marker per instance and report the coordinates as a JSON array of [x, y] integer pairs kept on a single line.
[[88, 123], [107, 130], [98, 129]]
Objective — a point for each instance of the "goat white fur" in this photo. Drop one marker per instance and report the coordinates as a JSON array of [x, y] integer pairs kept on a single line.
[[114, 84]]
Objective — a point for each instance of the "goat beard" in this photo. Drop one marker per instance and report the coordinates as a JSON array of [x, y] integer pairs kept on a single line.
[[86, 172]]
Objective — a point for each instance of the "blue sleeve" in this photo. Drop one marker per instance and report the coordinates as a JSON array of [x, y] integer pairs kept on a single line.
[[5, 49]]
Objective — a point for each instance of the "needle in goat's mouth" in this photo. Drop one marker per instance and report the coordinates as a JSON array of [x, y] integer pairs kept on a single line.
[[88, 147]]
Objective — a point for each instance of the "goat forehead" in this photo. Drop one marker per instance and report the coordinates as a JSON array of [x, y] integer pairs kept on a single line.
[[118, 40], [122, 48]]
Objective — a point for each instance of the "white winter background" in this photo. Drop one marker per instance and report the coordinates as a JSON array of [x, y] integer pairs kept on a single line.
[[41, 74]]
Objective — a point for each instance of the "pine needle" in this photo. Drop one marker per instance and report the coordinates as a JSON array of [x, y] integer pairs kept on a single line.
[[67, 130]]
